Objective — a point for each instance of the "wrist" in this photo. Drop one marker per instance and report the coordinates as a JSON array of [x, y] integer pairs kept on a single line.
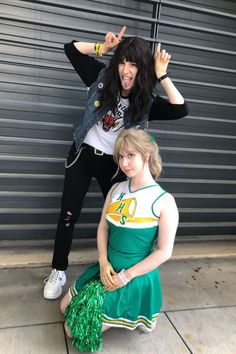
[[123, 277], [162, 77], [160, 73], [98, 47], [101, 48], [102, 260], [129, 274], [105, 48]]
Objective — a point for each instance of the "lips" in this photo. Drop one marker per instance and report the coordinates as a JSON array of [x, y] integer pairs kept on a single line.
[[127, 171], [127, 78], [126, 81]]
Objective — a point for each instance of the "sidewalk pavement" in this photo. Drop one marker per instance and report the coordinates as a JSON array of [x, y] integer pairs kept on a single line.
[[198, 315]]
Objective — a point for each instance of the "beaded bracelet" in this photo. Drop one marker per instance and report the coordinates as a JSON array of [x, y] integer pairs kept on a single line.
[[123, 277]]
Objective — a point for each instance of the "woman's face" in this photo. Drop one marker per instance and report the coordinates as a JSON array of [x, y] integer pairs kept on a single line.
[[127, 73], [131, 162]]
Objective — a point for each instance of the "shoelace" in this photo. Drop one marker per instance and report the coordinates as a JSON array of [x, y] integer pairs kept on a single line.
[[53, 277]]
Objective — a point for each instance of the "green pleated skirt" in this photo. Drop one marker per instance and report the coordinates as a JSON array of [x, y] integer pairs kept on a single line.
[[136, 304]]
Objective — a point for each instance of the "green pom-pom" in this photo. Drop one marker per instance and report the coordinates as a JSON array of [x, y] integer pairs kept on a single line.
[[83, 317]]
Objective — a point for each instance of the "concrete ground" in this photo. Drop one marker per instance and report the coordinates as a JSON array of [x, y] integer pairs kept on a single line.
[[198, 316]]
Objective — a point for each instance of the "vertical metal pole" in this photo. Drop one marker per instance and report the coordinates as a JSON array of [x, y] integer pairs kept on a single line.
[[156, 13]]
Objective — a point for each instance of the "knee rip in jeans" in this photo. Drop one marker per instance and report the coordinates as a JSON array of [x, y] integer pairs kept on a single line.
[[68, 218]]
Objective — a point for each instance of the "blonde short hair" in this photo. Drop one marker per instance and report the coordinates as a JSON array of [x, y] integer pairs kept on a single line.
[[142, 142]]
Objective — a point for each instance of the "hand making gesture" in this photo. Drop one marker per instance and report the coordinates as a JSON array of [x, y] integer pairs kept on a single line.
[[111, 40], [162, 59]]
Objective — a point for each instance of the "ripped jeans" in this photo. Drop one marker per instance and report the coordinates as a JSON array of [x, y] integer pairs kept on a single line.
[[81, 166]]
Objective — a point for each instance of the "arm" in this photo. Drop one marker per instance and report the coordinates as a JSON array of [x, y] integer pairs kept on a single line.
[[167, 229], [174, 107], [162, 109], [162, 59], [106, 270], [111, 41], [86, 66]]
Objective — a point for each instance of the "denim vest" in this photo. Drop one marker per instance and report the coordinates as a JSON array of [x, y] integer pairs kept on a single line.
[[93, 113]]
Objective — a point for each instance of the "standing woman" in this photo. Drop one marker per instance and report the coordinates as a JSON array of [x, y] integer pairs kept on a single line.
[[121, 95], [137, 214]]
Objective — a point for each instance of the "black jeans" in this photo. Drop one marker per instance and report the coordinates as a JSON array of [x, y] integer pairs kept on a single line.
[[84, 165]]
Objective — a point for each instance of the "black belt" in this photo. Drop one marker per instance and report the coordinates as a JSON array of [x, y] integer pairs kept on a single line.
[[95, 151]]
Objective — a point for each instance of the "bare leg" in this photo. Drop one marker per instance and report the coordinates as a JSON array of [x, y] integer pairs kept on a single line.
[[65, 302], [67, 331], [63, 305], [105, 328]]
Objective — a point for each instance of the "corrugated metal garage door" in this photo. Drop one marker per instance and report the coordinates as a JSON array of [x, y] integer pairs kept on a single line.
[[41, 97]]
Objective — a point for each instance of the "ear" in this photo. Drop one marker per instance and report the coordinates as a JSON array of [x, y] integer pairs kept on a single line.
[[146, 156]]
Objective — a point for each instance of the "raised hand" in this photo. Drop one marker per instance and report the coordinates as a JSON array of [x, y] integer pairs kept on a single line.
[[162, 59], [111, 40]]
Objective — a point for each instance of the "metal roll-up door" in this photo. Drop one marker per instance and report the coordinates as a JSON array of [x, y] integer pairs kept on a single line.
[[199, 150], [41, 98]]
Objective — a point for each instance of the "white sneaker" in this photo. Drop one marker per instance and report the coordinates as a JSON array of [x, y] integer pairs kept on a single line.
[[144, 329], [53, 284]]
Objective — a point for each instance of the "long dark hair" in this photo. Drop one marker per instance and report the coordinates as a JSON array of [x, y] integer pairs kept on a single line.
[[133, 49]]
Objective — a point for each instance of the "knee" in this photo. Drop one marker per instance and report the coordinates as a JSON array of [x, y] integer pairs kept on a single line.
[[68, 218]]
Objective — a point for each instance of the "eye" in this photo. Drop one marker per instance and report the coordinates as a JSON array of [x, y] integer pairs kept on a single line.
[[134, 64], [120, 157], [130, 154]]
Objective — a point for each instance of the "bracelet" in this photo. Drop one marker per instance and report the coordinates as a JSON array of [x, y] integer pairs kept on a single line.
[[163, 77], [97, 48], [123, 277]]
